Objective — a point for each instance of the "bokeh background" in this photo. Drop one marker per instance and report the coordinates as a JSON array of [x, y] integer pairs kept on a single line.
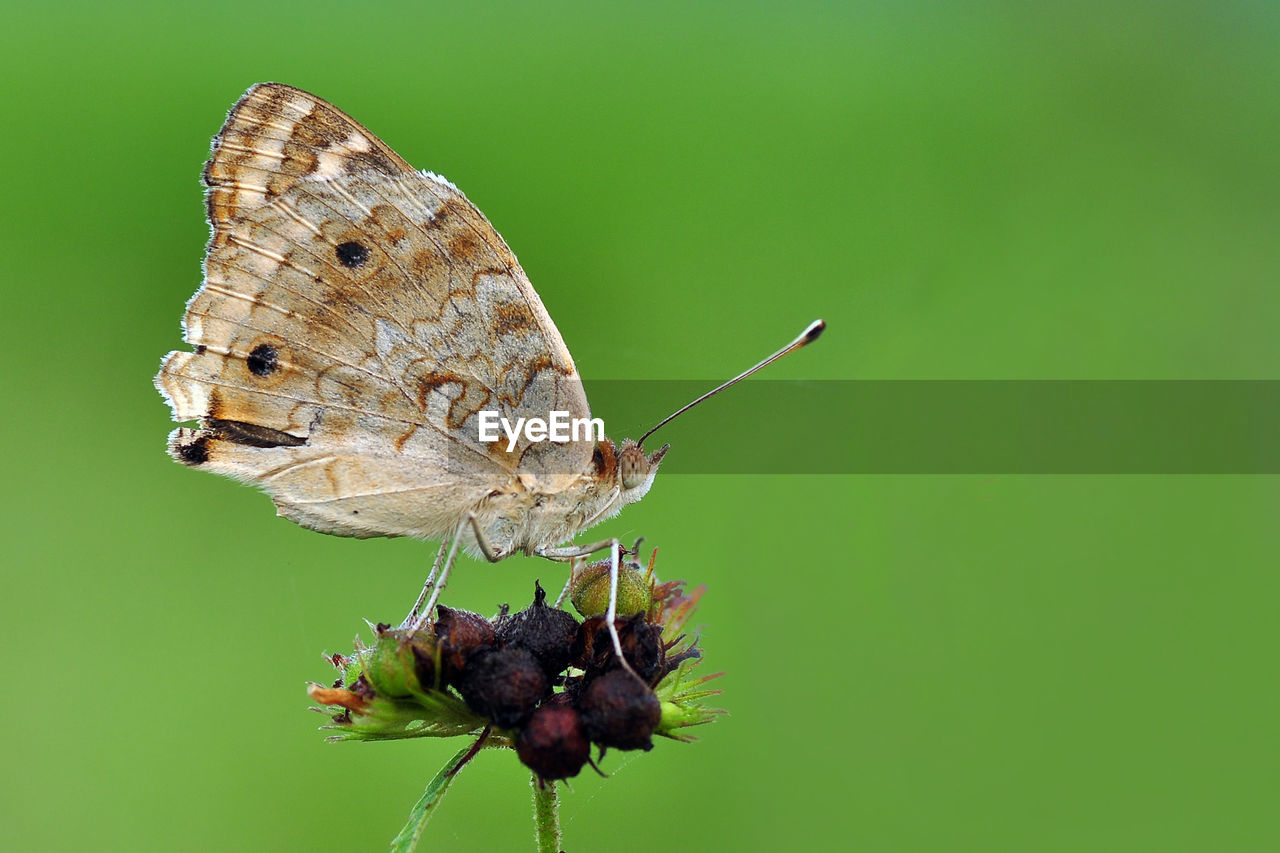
[[978, 190]]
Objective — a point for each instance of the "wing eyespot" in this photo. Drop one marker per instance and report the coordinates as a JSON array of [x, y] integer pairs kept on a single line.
[[352, 254], [263, 360]]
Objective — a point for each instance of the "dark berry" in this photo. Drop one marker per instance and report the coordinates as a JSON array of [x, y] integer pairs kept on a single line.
[[547, 632], [504, 685], [619, 710], [590, 632], [461, 633], [641, 642], [554, 742]]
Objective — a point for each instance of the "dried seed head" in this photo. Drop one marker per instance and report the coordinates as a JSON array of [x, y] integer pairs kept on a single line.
[[554, 742], [619, 711], [546, 632], [504, 685]]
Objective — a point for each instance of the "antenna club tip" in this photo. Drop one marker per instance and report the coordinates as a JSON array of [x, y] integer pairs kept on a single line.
[[808, 336], [811, 334]]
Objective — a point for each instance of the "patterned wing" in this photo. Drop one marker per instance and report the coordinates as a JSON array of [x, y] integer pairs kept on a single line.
[[355, 317]]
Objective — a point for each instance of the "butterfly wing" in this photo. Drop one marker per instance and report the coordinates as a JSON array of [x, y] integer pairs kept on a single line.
[[355, 317]]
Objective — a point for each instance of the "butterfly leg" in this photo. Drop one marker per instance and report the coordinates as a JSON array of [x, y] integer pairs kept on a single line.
[[485, 548], [412, 621], [564, 593], [443, 580], [615, 560]]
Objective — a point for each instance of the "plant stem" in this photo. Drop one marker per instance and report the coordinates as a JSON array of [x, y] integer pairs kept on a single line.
[[546, 816]]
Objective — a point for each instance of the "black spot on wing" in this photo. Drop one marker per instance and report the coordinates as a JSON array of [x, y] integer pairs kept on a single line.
[[351, 254], [195, 451], [251, 435], [263, 360]]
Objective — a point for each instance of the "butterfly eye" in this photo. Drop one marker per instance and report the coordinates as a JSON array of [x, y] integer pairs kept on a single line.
[[634, 467]]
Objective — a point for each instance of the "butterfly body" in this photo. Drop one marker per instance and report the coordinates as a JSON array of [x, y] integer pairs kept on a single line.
[[527, 519], [356, 317]]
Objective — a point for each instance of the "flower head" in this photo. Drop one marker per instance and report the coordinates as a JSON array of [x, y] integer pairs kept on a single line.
[[536, 680]]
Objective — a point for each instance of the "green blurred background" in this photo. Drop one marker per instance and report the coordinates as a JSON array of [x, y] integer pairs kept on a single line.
[[976, 190]]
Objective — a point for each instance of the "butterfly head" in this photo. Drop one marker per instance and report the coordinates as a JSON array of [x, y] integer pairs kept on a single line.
[[636, 470]]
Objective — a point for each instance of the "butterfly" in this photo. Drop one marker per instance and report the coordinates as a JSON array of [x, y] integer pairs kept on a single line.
[[357, 317]]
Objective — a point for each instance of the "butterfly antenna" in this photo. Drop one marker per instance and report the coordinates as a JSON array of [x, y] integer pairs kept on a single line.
[[808, 336]]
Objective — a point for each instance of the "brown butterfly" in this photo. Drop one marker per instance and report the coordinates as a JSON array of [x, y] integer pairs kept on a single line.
[[356, 317]]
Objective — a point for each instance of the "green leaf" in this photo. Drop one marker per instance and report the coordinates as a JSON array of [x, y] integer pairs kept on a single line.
[[422, 810]]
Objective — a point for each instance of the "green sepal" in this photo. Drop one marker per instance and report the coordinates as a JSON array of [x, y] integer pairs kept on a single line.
[[681, 695], [429, 713]]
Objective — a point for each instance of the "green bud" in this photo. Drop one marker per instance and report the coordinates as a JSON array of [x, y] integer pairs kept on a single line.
[[400, 665], [589, 590], [673, 717]]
